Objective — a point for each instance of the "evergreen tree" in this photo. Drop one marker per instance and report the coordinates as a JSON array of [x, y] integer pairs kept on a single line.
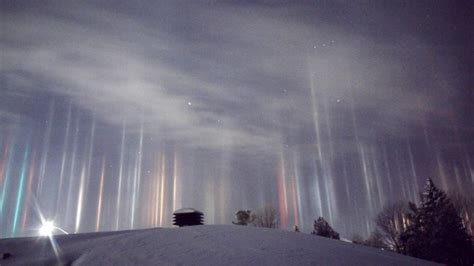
[[436, 231], [464, 204], [322, 228]]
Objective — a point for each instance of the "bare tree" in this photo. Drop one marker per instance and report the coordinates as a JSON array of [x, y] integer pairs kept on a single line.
[[391, 222], [265, 217]]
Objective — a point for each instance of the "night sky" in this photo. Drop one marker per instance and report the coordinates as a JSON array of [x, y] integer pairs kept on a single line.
[[115, 113]]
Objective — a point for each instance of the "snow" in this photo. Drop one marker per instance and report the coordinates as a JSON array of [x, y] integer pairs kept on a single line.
[[187, 210], [197, 245]]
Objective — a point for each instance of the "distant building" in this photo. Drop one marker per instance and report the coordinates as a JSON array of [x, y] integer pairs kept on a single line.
[[187, 217]]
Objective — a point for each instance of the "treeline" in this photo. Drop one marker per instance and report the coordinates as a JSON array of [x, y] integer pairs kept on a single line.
[[439, 228], [264, 217]]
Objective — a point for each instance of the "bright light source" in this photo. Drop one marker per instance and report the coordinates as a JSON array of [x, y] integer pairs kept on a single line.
[[47, 228]]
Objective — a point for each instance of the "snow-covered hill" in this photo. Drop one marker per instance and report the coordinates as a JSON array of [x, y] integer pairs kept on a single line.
[[197, 245]]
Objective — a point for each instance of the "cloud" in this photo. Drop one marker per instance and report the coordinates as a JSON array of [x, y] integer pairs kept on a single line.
[[221, 76]]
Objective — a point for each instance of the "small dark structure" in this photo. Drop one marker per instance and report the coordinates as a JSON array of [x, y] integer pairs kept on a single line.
[[187, 217]]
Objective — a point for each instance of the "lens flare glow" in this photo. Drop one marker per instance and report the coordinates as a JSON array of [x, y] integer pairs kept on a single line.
[[47, 229]]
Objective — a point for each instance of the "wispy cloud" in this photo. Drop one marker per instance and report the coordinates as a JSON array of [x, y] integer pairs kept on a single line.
[[220, 75]]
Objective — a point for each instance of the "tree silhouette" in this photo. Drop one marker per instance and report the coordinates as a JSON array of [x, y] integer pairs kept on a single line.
[[464, 205], [265, 217], [243, 217], [436, 231], [391, 222], [322, 228]]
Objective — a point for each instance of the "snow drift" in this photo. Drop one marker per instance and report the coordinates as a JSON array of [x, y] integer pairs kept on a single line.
[[196, 245]]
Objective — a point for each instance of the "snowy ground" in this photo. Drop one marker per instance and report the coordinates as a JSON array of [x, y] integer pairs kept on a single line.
[[197, 245]]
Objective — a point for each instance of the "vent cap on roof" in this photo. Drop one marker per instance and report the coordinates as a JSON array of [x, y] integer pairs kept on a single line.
[[187, 217]]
